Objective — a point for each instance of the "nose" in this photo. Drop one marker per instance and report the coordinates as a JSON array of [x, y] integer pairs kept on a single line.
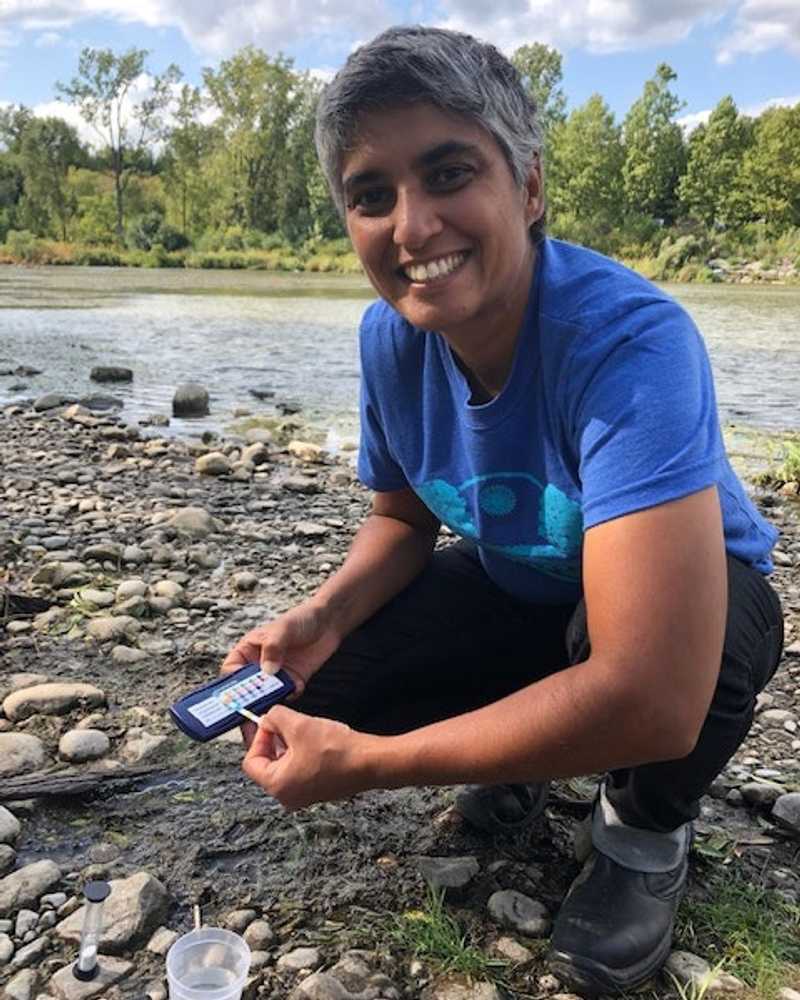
[[416, 218]]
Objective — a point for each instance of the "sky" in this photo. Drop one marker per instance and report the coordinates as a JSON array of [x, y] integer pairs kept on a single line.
[[749, 49]]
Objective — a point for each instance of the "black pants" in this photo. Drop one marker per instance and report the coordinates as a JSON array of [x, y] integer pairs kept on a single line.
[[452, 641]]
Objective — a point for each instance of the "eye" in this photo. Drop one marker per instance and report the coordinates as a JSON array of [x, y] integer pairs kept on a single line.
[[371, 201], [450, 177]]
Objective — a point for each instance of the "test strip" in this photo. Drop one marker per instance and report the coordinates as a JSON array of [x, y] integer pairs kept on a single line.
[[231, 703]]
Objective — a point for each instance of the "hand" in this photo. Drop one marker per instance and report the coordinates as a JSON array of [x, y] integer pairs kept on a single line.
[[301, 759], [299, 642]]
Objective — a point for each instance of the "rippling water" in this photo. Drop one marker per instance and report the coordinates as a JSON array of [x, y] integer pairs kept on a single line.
[[296, 335]]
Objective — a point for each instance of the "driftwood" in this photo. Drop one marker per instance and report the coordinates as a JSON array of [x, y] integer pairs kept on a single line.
[[67, 782]]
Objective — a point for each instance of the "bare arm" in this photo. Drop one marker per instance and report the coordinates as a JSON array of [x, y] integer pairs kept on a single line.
[[389, 550], [655, 585]]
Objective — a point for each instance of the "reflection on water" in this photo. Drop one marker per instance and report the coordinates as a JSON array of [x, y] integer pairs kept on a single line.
[[296, 335]]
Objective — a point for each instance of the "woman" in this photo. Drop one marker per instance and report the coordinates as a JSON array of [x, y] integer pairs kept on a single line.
[[607, 608]]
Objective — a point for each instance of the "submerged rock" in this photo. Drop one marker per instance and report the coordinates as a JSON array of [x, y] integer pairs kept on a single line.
[[190, 400]]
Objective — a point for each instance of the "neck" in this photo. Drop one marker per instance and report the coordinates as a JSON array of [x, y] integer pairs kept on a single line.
[[485, 351]]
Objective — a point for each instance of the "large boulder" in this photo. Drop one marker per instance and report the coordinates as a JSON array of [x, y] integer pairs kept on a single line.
[[51, 699], [134, 909], [111, 373], [20, 753], [190, 400], [24, 887], [193, 521]]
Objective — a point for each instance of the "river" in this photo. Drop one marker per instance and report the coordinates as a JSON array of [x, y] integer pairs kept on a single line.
[[295, 335]]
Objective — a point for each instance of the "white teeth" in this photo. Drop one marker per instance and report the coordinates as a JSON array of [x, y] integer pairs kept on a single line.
[[435, 268]]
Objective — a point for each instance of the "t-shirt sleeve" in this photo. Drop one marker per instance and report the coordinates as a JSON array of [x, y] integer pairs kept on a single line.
[[377, 467], [644, 414]]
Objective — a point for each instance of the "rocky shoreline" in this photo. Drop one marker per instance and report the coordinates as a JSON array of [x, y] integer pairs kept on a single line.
[[150, 557]]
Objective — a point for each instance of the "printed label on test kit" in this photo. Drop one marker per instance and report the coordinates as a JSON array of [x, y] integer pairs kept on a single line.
[[224, 701]]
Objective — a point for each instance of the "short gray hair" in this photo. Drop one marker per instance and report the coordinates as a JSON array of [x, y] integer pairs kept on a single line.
[[452, 71]]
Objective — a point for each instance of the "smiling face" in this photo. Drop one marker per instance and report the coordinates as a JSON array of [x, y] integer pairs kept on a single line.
[[438, 221]]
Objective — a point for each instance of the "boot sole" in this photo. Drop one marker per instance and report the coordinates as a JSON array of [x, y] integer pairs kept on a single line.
[[592, 978]]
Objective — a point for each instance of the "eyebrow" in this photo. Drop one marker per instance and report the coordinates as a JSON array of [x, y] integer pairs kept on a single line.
[[429, 158]]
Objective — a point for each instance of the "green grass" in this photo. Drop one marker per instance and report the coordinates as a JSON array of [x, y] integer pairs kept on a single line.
[[751, 932], [433, 935]]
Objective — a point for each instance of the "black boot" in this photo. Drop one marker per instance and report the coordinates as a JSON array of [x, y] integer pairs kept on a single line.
[[614, 929]]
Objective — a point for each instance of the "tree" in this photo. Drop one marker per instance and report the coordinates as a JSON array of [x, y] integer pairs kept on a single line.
[[256, 97], [768, 185], [540, 69], [714, 159], [190, 142], [13, 121], [654, 150], [102, 93], [584, 176], [48, 148]]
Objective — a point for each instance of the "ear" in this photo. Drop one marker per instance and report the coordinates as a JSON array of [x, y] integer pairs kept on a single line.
[[533, 190]]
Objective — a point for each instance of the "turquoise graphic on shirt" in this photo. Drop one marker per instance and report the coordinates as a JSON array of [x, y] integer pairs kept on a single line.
[[519, 518]]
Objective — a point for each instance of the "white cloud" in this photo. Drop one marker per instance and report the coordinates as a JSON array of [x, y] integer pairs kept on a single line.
[[597, 25], [761, 25], [217, 28], [690, 122], [47, 40]]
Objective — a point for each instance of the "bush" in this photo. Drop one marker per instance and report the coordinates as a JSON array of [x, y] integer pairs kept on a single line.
[[22, 245], [98, 257]]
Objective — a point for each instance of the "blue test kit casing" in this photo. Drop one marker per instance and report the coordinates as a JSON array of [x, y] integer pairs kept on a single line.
[[212, 709]]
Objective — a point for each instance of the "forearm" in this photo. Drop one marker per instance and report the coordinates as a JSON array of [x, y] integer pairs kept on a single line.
[[385, 556], [577, 721]]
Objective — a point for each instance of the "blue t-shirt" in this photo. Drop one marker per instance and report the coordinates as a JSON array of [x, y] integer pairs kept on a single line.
[[609, 408]]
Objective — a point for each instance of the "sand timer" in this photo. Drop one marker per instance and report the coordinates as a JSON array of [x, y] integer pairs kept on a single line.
[[95, 894]]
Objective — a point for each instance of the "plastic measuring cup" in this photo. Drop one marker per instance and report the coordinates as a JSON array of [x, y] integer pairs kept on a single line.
[[208, 964]]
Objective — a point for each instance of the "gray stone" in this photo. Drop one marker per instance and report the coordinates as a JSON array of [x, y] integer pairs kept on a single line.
[[20, 753], [512, 951], [53, 900], [30, 954], [238, 920], [194, 522], [776, 716], [6, 949], [126, 656], [111, 373], [305, 451], [161, 942], [301, 484], [9, 826], [134, 555], [256, 454], [300, 958], [787, 993], [61, 574], [259, 934], [140, 744], [22, 986], [51, 699], [80, 745], [24, 886], [786, 811], [310, 529], [213, 464], [15, 682], [8, 857], [130, 588], [688, 970], [99, 598], [519, 913], [245, 581], [103, 552], [51, 400], [190, 400], [462, 991], [112, 627], [761, 793], [452, 875], [65, 986], [26, 921], [172, 591], [133, 909]]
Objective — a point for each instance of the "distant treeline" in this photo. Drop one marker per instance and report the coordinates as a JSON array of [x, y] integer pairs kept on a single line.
[[228, 177]]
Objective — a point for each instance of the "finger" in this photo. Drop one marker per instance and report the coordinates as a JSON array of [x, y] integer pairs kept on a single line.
[[248, 730]]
